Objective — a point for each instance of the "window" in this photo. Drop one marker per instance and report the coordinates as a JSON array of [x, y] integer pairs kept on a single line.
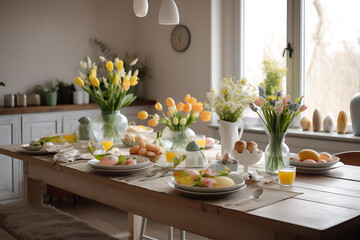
[[325, 36]]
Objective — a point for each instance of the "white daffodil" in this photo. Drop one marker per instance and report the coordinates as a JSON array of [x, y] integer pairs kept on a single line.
[[133, 62], [136, 72], [116, 61], [88, 61], [175, 121], [183, 121], [129, 74], [83, 65], [102, 59]]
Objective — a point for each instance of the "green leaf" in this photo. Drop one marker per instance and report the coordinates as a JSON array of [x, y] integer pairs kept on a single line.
[[127, 100], [121, 159], [178, 160], [2, 84], [100, 156]]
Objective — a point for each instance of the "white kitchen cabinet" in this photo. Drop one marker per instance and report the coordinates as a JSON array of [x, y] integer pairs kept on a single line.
[[10, 168], [37, 125]]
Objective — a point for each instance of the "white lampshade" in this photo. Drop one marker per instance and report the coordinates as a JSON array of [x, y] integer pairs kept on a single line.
[[140, 7], [168, 14]]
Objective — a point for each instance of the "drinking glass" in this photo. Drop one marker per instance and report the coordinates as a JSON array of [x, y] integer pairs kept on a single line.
[[287, 175], [200, 139], [107, 143], [170, 155]]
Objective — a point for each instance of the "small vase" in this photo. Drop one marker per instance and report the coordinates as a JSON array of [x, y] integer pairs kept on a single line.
[[51, 98], [355, 114], [177, 140], [110, 125], [229, 134], [277, 153]]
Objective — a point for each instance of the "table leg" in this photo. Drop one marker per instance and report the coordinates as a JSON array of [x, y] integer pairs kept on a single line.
[[32, 188], [134, 225]]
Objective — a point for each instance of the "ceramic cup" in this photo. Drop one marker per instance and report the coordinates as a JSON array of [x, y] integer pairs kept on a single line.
[[86, 98], [78, 97]]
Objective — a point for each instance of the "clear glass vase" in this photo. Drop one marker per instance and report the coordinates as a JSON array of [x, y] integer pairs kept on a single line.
[[177, 140], [110, 125], [277, 153]]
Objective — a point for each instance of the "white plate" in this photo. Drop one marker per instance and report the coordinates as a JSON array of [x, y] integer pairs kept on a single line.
[[319, 170], [238, 184], [141, 162], [121, 171], [28, 147], [148, 129], [313, 165], [205, 194], [216, 144]]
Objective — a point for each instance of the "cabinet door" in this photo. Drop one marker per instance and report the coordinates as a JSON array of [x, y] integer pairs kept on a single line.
[[35, 126], [71, 119], [10, 168]]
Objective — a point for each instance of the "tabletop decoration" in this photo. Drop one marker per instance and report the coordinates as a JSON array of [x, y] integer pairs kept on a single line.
[[177, 134], [195, 155], [233, 97], [277, 112], [110, 93], [202, 178]]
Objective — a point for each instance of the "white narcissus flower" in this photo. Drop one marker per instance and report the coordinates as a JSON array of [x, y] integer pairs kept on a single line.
[[183, 121], [116, 61], [83, 65], [88, 61], [133, 62], [106, 84], [102, 59], [136, 72], [176, 121], [129, 74], [156, 116]]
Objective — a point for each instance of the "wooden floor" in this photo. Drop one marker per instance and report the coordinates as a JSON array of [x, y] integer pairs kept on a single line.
[[112, 221]]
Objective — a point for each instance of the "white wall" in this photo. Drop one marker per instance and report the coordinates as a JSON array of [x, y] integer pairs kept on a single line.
[[41, 40], [176, 74]]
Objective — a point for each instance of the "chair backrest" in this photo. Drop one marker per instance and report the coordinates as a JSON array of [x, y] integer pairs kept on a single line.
[[350, 157]]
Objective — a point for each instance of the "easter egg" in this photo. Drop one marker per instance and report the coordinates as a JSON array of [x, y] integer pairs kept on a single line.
[[209, 141], [193, 173], [326, 156], [223, 182], [109, 160], [192, 146]]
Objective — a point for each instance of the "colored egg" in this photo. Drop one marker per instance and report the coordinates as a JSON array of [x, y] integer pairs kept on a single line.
[[193, 173], [321, 161], [326, 156], [109, 160], [192, 146], [209, 141], [309, 161]]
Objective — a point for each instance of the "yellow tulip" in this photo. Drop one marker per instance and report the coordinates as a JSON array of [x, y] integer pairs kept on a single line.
[[170, 102], [143, 115], [120, 65], [109, 66], [79, 81], [116, 80], [153, 122], [205, 116], [125, 85], [133, 80], [94, 81], [93, 72], [187, 98], [187, 107], [158, 106], [198, 107], [180, 107], [192, 101]]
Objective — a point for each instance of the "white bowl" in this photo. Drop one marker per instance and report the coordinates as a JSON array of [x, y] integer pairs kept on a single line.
[[247, 158], [219, 166]]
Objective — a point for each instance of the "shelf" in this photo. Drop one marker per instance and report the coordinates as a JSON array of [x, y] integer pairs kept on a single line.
[[63, 107]]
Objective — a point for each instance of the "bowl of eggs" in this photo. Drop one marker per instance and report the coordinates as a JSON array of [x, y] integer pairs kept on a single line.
[[131, 140], [247, 153], [311, 158]]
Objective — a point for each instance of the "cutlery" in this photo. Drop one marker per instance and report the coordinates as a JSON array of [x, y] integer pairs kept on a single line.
[[164, 172], [256, 194], [148, 174]]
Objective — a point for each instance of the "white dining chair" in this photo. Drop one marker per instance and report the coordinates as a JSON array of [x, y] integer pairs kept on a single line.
[[170, 235]]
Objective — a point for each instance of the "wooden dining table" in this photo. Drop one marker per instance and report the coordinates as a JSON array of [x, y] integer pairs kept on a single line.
[[327, 206]]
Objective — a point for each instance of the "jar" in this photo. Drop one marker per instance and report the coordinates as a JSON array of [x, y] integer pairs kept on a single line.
[[9, 100], [21, 100]]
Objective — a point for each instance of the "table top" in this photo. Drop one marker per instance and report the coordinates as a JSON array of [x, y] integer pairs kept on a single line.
[[328, 202]]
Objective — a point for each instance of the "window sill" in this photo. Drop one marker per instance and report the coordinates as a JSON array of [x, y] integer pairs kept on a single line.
[[298, 133]]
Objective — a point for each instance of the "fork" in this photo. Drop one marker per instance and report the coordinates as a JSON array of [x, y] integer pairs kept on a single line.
[[148, 174], [164, 172]]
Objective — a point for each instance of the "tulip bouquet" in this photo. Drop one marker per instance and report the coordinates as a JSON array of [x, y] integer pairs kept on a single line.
[[233, 98], [109, 91], [178, 117], [277, 114]]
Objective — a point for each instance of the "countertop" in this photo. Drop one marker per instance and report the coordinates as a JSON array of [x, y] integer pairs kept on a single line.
[[63, 107]]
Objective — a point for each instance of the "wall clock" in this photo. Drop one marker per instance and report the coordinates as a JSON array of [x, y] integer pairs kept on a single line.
[[180, 38]]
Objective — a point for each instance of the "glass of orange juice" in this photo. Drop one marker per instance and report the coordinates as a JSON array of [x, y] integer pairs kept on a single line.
[[287, 175], [200, 139], [170, 154], [107, 143]]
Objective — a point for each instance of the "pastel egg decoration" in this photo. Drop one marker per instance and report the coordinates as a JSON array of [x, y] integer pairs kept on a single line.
[[305, 123], [341, 122], [329, 123], [317, 121]]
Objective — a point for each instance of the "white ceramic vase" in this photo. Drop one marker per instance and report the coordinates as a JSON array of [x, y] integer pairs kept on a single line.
[[229, 134]]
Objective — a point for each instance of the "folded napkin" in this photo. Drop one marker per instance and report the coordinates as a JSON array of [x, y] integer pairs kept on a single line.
[[66, 155]]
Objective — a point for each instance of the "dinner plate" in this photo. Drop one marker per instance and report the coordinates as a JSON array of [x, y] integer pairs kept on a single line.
[[237, 180], [204, 194], [121, 171], [318, 170], [216, 144], [28, 147], [314, 165], [141, 162]]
